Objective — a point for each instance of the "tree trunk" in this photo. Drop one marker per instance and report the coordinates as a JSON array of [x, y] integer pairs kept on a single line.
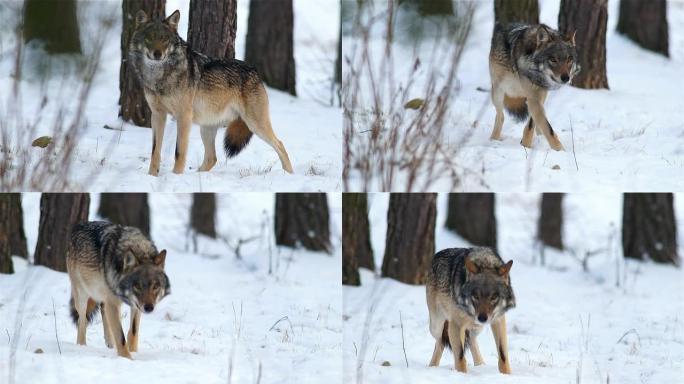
[[270, 45], [516, 11], [356, 245], [649, 228], [410, 242], [645, 23], [17, 237], [550, 228], [126, 209], [471, 215], [5, 221], [302, 219], [431, 7], [59, 212], [54, 23], [132, 105], [588, 19], [203, 214], [213, 24]]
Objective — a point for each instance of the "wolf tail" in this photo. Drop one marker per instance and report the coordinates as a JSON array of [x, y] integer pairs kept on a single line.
[[445, 337], [237, 137], [91, 310], [517, 107]]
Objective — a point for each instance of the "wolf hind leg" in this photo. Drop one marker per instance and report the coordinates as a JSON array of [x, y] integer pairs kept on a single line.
[[475, 349], [498, 100], [439, 331], [109, 338], [528, 134], [537, 111], [209, 140], [80, 301], [258, 120]]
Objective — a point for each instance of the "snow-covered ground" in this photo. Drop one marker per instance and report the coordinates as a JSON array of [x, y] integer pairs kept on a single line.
[[284, 327], [118, 159], [569, 326], [628, 138]]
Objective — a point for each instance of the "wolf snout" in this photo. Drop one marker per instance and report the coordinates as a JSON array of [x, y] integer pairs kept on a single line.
[[157, 54], [482, 318], [565, 78], [148, 308]]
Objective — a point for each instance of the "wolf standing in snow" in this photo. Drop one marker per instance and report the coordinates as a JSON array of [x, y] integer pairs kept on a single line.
[[525, 62], [109, 264], [468, 288], [197, 89]]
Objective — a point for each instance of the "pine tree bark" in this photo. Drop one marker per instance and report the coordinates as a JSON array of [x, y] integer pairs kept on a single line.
[[59, 212], [645, 23], [410, 241], [471, 215], [6, 265], [356, 245], [132, 105], [53, 23], [588, 19], [270, 43], [212, 28], [516, 11], [550, 226], [302, 219], [129, 209], [17, 237], [203, 214], [649, 228]]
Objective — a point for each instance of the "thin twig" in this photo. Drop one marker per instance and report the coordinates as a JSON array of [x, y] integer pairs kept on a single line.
[[403, 345], [572, 133], [54, 315]]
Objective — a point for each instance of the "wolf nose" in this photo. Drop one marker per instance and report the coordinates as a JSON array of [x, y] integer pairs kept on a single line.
[[157, 55], [482, 317], [148, 308], [565, 78]]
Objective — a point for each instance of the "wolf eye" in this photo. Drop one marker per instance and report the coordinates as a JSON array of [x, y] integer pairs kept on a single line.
[[495, 297], [474, 298]]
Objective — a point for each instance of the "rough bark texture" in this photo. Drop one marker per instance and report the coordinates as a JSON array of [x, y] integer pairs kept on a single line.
[[431, 7], [550, 228], [338, 59], [645, 23], [520, 11], [17, 237], [302, 219], [270, 44], [356, 245], [471, 215], [132, 105], [588, 18], [213, 24], [5, 219], [54, 23], [126, 209], [203, 214], [410, 242], [59, 212], [649, 229]]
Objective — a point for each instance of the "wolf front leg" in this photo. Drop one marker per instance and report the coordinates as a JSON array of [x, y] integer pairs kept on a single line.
[[158, 124], [183, 133], [499, 331], [498, 101], [457, 341], [134, 330], [114, 322], [536, 108]]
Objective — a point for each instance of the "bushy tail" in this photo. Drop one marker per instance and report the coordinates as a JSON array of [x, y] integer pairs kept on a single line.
[[91, 310], [237, 137], [445, 337], [517, 107]]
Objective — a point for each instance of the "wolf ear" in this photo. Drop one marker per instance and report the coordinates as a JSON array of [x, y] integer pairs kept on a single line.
[[160, 258], [172, 20], [504, 269], [129, 260], [542, 35], [140, 18], [471, 267], [570, 37]]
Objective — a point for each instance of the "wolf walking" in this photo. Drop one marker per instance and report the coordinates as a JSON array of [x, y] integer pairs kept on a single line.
[[468, 288], [109, 264], [525, 62], [198, 89]]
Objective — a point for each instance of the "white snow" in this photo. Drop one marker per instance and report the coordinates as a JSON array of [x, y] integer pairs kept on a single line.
[[569, 326], [285, 326], [628, 138]]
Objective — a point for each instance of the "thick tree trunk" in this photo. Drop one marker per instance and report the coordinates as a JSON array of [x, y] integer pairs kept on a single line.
[[59, 212], [431, 7], [410, 242], [132, 105], [302, 219], [649, 228], [126, 209], [213, 24], [5, 221], [17, 237], [516, 11], [270, 44], [471, 215], [203, 214], [550, 227], [588, 19], [645, 23], [356, 245], [54, 23]]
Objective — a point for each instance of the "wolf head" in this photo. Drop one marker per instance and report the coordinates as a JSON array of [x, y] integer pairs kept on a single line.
[[486, 293], [156, 40], [550, 59], [144, 287]]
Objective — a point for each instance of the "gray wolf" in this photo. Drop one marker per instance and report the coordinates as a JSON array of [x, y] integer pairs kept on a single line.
[[525, 62], [468, 288], [109, 264], [198, 89]]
